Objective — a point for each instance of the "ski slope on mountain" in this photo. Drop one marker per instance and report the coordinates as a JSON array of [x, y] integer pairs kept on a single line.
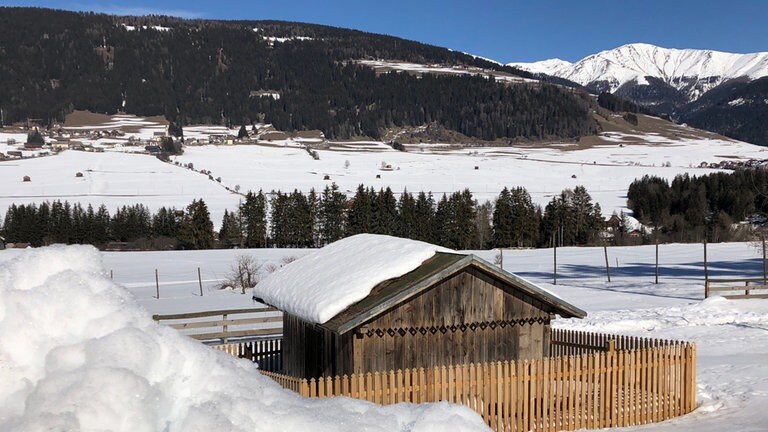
[[676, 67]]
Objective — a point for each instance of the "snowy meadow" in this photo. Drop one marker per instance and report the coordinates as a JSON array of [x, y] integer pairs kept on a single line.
[[66, 329], [118, 177]]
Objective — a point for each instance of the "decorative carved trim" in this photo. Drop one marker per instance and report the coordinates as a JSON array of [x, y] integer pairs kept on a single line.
[[493, 325]]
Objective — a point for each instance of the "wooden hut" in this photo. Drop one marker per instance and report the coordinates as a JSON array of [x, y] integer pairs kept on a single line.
[[451, 309]]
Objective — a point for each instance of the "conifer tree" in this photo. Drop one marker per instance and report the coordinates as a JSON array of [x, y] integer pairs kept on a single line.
[[230, 232], [196, 228], [331, 215], [524, 220], [253, 220], [165, 223], [361, 212], [503, 233], [407, 220], [425, 229], [384, 212], [279, 219]]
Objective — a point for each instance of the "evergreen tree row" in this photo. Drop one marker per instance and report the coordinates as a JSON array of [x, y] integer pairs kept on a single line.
[[298, 219], [691, 207], [455, 220], [58, 222]]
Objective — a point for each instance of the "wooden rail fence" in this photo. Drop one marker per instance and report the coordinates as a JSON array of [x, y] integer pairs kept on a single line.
[[737, 288], [654, 381], [259, 322]]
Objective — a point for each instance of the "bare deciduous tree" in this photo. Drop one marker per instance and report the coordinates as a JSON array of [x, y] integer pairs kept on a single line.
[[246, 272]]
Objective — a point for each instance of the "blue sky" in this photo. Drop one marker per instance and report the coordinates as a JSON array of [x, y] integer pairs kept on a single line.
[[504, 30]]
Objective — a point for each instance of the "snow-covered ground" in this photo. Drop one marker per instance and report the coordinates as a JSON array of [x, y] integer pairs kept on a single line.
[[731, 335], [115, 178], [78, 353]]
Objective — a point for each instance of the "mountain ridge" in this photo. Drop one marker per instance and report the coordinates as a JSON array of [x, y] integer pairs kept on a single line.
[[703, 88], [690, 70]]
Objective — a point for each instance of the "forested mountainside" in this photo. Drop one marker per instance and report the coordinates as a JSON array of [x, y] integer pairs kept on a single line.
[[295, 76], [738, 110]]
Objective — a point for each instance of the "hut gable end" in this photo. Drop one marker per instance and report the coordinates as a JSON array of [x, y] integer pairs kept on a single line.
[[467, 318], [466, 297]]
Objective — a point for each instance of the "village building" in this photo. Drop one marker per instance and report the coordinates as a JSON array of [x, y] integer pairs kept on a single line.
[[373, 303]]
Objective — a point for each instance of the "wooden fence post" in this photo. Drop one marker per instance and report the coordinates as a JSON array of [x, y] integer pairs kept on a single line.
[[706, 271], [224, 327], [200, 281], [555, 263], [157, 284], [607, 268], [765, 275], [657, 259]]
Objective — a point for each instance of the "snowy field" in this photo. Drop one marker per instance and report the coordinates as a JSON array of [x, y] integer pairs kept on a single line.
[[731, 335], [115, 178]]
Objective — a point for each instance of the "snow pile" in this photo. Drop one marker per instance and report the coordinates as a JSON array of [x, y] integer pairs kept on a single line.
[[318, 286], [77, 353]]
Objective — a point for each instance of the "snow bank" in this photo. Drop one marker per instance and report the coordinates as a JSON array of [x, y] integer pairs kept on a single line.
[[319, 285], [77, 353]]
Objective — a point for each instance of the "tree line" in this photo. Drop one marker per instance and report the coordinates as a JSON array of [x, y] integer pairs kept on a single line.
[[62, 222], [692, 208], [298, 219]]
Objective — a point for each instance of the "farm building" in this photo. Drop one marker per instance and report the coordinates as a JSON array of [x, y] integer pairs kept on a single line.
[[374, 303]]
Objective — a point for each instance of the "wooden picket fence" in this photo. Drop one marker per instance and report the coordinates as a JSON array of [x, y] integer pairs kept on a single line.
[[600, 387], [266, 352]]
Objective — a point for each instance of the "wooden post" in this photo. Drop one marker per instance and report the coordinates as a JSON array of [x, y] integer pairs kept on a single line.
[[607, 268], [200, 281], [501, 257], [657, 259], [224, 316], [555, 263], [111, 275], [706, 271], [157, 284], [764, 269]]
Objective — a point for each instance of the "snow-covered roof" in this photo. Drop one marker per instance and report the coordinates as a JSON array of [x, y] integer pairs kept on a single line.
[[321, 284]]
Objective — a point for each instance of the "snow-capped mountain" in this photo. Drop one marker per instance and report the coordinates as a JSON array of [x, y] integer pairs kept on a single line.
[[721, 92], [692, 72]]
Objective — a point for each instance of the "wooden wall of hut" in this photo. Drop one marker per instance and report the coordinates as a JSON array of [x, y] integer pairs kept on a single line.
[[467, 318], [309, 351]]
